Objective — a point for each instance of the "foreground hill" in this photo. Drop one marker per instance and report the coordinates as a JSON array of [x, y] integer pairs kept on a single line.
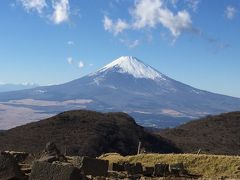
[[213, 134], [126, 85], [84, 133]]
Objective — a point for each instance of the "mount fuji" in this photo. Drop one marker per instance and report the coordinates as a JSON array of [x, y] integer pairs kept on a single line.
[[126, 84], [14, 87]]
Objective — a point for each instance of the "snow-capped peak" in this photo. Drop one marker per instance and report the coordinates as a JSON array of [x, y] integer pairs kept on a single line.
[[133, 66]]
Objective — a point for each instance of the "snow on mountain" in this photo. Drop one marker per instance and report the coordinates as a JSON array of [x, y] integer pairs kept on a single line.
[[127, 85], [134, 67]]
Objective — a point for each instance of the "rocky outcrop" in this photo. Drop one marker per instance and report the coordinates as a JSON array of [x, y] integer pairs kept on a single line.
[[133, 169], [55, 171], [91, 166], [148, 171], [137, 171], [52, 165], [177, 169], [161, 170], [18, 156], [116, 167], [9, 169], [51, 154]]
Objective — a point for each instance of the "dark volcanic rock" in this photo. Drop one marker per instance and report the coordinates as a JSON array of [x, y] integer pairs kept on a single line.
[[116, 167], [19, 156], [51, 153], [133, 169], [177, 169], [161, 170], [91, 166], [51, 149], [85, 133], [148, 171], [48, 171], [9, 168]]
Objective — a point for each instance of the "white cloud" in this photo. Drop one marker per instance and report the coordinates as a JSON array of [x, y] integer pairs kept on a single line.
[[134, 43], [116, 27], [58, 11], [175, 23], [81, 64], [70, 43], [130, 43], [107, 23], [120, 25], [146, 13], [70, 60], [61, 11], [35, 5], [193, 4], [149, 13], [230, 12]]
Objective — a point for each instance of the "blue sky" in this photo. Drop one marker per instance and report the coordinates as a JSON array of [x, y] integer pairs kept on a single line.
[[55, 41]]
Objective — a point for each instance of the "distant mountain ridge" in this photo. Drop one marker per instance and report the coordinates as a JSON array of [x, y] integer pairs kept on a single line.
[[126, 84]]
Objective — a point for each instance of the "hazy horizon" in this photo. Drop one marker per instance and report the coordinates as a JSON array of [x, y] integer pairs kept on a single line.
[[52, 42]]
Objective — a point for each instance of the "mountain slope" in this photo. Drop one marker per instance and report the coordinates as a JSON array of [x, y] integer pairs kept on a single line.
[[84, 133], [16, 87], [213, 134], [129, 85]]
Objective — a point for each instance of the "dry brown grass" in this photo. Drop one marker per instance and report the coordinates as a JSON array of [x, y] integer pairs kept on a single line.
[[209, 166]]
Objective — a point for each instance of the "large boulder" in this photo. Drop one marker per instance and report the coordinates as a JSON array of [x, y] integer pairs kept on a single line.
[[133, 169], [54, 171], [116, 167], [91, 166], [148, 171], [161, 170], [19, 156], [51, 149], [51, 153], [177, 169], [9, 168]]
